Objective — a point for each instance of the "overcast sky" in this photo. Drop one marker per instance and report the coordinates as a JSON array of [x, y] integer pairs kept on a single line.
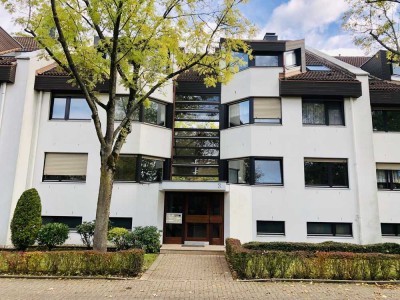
[[318, 21]]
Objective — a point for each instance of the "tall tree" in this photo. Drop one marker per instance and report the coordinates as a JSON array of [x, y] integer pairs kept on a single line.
[[142, 44], [375, 23]]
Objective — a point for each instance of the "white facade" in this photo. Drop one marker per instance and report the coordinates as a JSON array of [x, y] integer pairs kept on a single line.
[[27, 133]]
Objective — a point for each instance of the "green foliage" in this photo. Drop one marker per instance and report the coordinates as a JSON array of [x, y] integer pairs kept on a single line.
[[72, 263], [53, 234], [388, 248], [147, 238], [27, 220], [256, 264], [121, 238], [86, 231]]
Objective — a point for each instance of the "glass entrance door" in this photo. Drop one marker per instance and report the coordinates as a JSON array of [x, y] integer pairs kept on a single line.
[[194, 217]]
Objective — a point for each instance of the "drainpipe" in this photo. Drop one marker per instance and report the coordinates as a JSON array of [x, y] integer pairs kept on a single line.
[[3, 89], [34, 142]]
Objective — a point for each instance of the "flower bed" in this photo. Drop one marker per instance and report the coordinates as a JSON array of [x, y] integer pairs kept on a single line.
[[72, 263], [260, 264]]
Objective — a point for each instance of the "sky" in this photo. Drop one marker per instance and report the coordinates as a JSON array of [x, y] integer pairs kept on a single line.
[[316, 21]]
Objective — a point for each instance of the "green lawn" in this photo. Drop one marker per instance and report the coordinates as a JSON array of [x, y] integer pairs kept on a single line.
[[148, 260]]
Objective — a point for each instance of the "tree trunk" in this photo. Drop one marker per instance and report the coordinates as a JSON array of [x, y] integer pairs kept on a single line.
[[103, 206]]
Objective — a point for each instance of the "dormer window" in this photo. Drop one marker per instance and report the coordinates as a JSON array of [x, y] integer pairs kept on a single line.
[[318, 68], [290, 59]]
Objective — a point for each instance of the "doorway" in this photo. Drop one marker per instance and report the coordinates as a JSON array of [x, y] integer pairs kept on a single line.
[[194, 217]]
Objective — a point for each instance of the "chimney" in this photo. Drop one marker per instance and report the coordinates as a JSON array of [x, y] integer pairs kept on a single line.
[[270, 36]]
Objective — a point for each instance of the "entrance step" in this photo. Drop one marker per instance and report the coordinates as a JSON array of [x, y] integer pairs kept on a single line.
[[197, 250], [195, 244]]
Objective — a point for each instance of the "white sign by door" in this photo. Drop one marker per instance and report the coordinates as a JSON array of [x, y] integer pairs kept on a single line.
[[173, 218]]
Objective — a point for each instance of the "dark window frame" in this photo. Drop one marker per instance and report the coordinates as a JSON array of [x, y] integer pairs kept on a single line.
[[271, 233], [326, 104], [385, 118], [67, 107], [330, 174], [249, 170], [60, 179], [396, 229], [333, 229], [128, 219], [136, 166], [389, 178], [57, 221]]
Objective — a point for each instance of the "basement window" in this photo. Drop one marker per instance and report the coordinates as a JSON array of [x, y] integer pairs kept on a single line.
[[71, 222], [329, 229], [270, 228]]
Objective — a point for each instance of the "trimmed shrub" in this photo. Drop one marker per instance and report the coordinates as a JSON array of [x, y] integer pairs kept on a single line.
[[255, 264], [53, 234], [27, 220], [121, 238], [147, 238], [388, 248], [86, 231], [72, 263]]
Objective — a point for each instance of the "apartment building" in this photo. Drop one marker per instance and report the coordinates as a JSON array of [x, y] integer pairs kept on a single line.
[[299, 146]]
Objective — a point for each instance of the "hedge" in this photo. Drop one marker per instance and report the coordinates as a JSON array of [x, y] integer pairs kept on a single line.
[[72, 263], [257, 264], [387, 248]]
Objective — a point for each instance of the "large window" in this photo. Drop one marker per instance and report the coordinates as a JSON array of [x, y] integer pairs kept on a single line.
[[71, 222], [242, 60], [65, 167], [238, 171], [130, 167], [266, 61], [270, 228], [126, 168], [70, 108], [239, 113], [268, 171], [323, 113], [390, 229], [121, 222], [151, 111], [151, 169], [326, 172], [388, 176], [329, 229], [387, 120]]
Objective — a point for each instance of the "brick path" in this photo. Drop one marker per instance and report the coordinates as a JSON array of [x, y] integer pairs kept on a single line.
[[176, 276]]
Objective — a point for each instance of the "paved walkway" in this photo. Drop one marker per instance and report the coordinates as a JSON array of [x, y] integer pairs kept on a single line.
[[177, 276]]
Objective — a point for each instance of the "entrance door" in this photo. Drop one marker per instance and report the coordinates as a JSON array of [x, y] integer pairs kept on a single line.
[[194, 217]]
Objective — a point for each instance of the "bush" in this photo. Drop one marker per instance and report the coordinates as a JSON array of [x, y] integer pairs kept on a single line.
[[147, 238], [86, 231], [71, 263], [53, 234], [388, 248], [121, 238], [27, 220], [255, 264]]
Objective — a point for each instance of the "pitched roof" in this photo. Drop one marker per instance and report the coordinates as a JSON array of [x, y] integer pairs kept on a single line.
[[356, 61], [335, 73], [7, 43], [376, 84], [28, 43], [55, 71]]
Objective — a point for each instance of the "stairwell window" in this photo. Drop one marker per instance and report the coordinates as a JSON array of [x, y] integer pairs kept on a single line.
[[388, 176], [67, 167], [326, 172], [323, 113]]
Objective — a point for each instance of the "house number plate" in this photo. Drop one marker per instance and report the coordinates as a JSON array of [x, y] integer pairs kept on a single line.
[[173, 218]]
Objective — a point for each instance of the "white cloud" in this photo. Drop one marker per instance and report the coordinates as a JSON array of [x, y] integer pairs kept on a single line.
[[310, 19]]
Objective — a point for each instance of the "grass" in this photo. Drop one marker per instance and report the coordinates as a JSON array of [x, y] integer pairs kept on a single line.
[[148, 260]]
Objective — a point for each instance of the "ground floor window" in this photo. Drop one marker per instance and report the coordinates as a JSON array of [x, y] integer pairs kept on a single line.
[[270, 228], [121, 222], [65, 167], [71, 222], [390, 229], [130, 167], [329, 229]]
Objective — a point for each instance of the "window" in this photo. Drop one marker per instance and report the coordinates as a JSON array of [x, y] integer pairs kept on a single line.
[[290, 59], [329, 229], [65, 167], [396, 69], [387, 120], [241, 60], [72, 222], [151, 169], [126, 168], [388, 176], [323, 113], [70, 108], [317, 68], [390, 229], [152, 112], [238, 171], [121, 222], [266, 60], [268, 171], [267, 110], [270, 228], [239, 113], [326, 172]]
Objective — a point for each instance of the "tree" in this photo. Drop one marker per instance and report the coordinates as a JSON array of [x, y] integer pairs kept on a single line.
[[27, 220], [142, 44], [375, 22]]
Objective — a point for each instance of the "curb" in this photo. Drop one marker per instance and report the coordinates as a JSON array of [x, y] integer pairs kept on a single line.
[[379, 282], [146, 275], [66, 277]]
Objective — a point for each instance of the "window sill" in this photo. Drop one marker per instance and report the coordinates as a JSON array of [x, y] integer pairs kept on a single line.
[[391, 236], [330, 237], [388, 190], [67, 182], [144, 123], [310, 187], [271, 235], [268, 185], [71, 120], [383, 132], [324, 125]]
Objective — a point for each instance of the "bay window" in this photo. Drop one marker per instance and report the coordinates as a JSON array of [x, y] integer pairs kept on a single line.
[[239, 113], [238, 171]]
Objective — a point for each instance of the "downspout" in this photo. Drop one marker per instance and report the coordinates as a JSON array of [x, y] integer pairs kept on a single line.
[[34, 142], [3, 89]]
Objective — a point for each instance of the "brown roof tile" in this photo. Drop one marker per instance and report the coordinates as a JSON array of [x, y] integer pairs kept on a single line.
[[7, 61], [356, 61], [28, 43], [55, 71], [376, 84], [7, 43]]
